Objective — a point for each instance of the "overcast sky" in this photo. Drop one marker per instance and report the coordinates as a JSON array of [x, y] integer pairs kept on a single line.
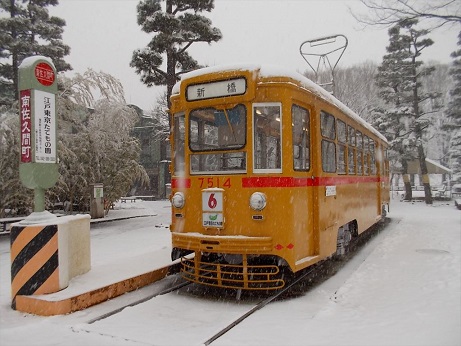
[[103, 34]]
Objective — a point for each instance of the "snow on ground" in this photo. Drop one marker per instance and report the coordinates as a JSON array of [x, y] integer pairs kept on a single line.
[[402, 288]]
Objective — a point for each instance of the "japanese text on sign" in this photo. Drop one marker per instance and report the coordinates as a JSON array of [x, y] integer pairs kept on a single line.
[[45, 127], [44, 74], [26, 126], [229, 87]]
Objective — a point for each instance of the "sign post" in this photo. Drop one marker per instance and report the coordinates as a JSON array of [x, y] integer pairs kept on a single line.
[[64, 246], [38, 167]]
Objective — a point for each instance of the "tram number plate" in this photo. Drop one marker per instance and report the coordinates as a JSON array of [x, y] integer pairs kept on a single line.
[[214, 182], [212, 208], [330, 191]]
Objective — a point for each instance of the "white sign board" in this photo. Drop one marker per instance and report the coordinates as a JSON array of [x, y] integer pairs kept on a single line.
[[213, 220], [45, 127], [223, 88], [330, 191], [212, 207]]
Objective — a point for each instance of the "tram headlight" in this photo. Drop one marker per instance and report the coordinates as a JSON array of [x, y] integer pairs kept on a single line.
[[258, 201], [178, 200]]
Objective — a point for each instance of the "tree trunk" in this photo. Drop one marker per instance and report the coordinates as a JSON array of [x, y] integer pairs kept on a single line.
[[170, 69], [406, 181], [14, 53], [424, 175]]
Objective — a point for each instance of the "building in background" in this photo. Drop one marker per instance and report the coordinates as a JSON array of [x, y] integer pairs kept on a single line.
[[152, 133]]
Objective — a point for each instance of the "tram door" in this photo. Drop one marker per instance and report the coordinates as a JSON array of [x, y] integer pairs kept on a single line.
[[332, 160], [303, 198]]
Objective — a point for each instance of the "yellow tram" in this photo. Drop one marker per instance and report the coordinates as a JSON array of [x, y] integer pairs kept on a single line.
[[269, 170]]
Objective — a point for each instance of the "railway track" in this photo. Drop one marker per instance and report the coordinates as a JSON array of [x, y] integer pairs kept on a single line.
[[183, 312], [140, 301], [257, 307], [182, 286]]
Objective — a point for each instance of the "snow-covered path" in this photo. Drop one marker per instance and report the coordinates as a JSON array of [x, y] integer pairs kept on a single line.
[[401, 288]]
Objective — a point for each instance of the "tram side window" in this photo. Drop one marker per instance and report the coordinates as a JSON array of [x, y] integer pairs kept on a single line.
[[366, 155], [351, 150], [301, 138], [372, 157], [179, 130], [359, 153], [327, 125], [341, 159], [267, 127], [351, 136], [341, 128], [328, 156], [380, 152], [342, 138], [386, 163], [351, 160], [327, 128], [359, 162]]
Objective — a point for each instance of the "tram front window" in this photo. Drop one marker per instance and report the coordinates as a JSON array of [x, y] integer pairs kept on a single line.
[[213, 129]]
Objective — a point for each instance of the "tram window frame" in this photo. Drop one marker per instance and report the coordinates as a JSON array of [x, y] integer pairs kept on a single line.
[[217, 138], [359, 153], [300, 117], [328, 156], [372, 146], [179, 131], [380, 154], [386, 162], [351, 136], [341, 160], [341, 129], [351, 163], [366, 152], [328, 125], [359, 139], [328, 145], [267, 137], [213, 130]]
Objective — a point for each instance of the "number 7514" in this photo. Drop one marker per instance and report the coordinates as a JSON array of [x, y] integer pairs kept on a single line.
[[214, 182]]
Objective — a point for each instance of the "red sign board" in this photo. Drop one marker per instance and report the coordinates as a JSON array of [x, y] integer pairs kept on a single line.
[[26, 126], [44, 74]]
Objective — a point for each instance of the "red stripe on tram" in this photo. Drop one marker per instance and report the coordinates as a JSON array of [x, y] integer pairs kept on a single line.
[[302, 182], [177, 183]]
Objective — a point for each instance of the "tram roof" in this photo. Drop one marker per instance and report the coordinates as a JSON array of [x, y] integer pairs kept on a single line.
[[266, 71]]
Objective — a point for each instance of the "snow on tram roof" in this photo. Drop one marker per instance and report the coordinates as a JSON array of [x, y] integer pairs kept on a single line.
[[266, 71]]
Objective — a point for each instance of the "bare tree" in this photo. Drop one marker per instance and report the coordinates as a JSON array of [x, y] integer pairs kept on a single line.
[[356, 88], [390, 12]]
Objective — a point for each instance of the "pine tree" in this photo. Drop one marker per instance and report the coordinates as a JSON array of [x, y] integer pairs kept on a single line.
[[175, 29], [399, 79], [29, 30], [454, 113]]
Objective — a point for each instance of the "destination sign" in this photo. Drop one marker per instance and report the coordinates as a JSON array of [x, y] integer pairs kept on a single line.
[[211, 90]]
